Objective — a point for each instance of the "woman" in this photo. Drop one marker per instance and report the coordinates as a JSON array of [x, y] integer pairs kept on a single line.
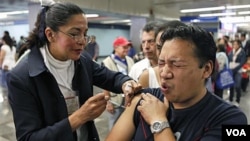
[[237, 58], [7, 58], [222, 60], [50, 89]]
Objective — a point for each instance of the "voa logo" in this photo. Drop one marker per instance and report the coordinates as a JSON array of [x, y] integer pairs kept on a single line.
[[236, 132]]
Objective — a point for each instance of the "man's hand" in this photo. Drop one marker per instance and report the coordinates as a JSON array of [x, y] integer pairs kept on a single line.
[[152, 109], [129, 88]]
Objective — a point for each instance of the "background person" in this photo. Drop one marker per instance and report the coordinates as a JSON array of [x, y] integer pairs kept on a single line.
[[222, 60], [149, 50], [139, 55], [245, 75], [150, 77], [93, 47], [51, 88], [118, 61], [237, 58], [7, 58]]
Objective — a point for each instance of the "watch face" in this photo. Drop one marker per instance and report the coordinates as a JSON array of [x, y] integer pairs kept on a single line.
[[157, 125]]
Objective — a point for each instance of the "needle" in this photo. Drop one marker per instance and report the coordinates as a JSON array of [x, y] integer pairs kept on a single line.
[[116, 104]]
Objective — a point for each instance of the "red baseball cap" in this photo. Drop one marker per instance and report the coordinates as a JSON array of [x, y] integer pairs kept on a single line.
[[121, 41]]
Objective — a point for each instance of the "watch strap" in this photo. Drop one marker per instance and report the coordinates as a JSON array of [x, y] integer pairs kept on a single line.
[[163, 125]]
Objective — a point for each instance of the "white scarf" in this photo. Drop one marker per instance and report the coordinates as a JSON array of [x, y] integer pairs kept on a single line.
[[234, 64], [235, 54]]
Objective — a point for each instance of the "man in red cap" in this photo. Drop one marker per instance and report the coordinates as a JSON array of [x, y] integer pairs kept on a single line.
[[121, 62]]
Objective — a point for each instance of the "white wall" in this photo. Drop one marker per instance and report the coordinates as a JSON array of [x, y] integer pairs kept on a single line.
[[15, 30], [104, 36]]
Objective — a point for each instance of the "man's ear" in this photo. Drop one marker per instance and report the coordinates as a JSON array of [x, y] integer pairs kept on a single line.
[[50, 34], [208, 69]]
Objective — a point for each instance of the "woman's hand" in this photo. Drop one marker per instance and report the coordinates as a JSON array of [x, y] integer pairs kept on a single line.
[[110, 108], [129, 88], [90, 110]]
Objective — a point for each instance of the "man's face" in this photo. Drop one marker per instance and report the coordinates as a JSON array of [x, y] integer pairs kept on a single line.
[[149, 45], [182, 81], [158, 43], [122, 51]]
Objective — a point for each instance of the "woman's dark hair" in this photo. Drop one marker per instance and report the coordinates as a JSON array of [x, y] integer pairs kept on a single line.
[[52, 16], [6, 33], [221, 48], [8, 41], [205, 47]]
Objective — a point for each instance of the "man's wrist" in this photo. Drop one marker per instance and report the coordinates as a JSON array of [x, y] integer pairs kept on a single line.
[[158, 126]]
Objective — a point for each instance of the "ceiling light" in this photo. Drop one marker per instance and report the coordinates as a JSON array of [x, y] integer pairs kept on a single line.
[[238, 19], [2, 16], [242, 24], [217, 14], [16, 12], [238, 6], [116, 21], [203, 9], [5, 14], [92, 15], [232, 19], [244, 12]]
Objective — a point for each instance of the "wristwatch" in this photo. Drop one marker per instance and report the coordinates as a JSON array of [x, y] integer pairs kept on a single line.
[[158, 126]]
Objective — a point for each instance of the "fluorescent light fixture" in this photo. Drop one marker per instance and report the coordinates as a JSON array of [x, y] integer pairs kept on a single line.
[[116, 21], [92, 15], [218, 14], [195, 21], [242, 24], [203, 9], [238, 6], [5, 14], [243, 12], [15, 12], [237, 19], [2, 16]]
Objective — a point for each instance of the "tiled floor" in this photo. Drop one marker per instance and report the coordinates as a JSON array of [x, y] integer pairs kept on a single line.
[[7, 131]]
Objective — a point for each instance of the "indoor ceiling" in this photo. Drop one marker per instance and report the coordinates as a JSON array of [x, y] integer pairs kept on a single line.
[[122, 10]]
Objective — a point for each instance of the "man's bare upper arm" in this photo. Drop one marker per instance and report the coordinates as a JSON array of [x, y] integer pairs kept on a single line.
[[124, 128]]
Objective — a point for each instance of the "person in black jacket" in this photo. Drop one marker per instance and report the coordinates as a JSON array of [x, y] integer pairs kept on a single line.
[[51, 87]]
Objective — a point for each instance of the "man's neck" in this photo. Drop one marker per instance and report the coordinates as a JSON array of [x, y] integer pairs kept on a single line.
[[153, 63]]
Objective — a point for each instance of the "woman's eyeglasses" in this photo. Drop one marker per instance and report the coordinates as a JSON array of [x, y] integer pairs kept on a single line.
[[77, 37]]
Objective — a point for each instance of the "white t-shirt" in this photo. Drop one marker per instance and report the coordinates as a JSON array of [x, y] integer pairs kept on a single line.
[[138, 68], [9, 58], [152, 79]]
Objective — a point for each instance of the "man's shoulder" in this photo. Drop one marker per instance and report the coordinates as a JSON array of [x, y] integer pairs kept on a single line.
[[224, 112], [154, 91], [107, 60], [144, 62], [129, 59], [138, 68]]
